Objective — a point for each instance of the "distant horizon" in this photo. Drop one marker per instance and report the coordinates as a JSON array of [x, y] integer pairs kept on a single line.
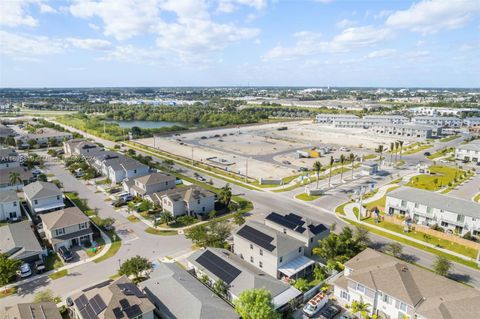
[[240, 86]]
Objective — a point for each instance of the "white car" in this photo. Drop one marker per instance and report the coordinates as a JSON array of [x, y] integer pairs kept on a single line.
[[25, 271]]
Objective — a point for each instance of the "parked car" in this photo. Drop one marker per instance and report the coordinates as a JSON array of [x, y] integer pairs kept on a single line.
[[25, 271], [286, 162], [36, 171], [79, 174], [39, 266], [427, 153], [119, 202], [303, 169], [315, 304], [65, 253], [344, 149], [347, 315], [329, 312]]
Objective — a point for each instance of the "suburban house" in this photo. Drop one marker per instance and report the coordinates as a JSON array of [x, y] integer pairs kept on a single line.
[[202, 303], [119, 299], [272, 251], [148, 184], [25, 177], [191, 200], [38, 310], [469, 152], [117, 167], [80, 147], [239, 275], [43, 197], [471, 121], [18, 241], [68, 227], [9, 205], [9, 158], [6, 131], [298, 227], [424, 207], [42, 136], [396, 289]]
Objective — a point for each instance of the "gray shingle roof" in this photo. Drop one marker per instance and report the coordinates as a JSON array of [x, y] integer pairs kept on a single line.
[[155, 178], [470, 147], [25, 174], [180, 294], [436, 200], [41, 190], [41, 310], [249, 278], [63, 218], [8, 196], [18, 240], [187, 194]]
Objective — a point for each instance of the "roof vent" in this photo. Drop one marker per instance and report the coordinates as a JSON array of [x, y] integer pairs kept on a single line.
[[404, 268]]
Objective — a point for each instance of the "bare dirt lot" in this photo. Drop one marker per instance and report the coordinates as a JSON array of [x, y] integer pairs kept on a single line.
[[269, 148]]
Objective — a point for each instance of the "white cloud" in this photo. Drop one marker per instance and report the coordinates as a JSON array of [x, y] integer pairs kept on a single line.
[[90, 44], [431, 16], [14, 13], [413, 56], [385, 53], [308, 43], [228, 6], [93, 26], [136, 55], [23, 45], [344, 23], [45, 8], [324, 1], [383, 14]]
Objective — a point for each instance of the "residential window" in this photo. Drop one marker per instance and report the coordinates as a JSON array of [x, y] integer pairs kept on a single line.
[[15, 204], [403, 203], [198, 202], [361, 288], [58, 197], [260, 264], [281, 259], [251, 246], [299, 249], [416, 205], [35, 202], [60, 231], [82, 225], [403, 307], [251, 259], [261, 252], [284, 230], [386, 299], [460, 218], [345, 295]]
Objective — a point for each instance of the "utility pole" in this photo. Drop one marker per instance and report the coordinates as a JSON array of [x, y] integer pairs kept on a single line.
[[192, 157], [246, 171], [361, 204]]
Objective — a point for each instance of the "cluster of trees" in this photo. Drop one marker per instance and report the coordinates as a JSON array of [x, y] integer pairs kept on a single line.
[[211, 234], [256, 304], [136, 266]]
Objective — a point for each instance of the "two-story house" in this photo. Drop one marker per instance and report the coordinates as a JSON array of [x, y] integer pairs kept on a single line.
[[18, 241], [68, 227], [43, 197], [395, 289], [80, 147], [42, 137], [191, 200], [469, 152], [9, 205], [272, 251], [46, 310], [23, 175], [424, 207], [298, 227], [239, 275], [149, 184], [9, 158], [119, 299]]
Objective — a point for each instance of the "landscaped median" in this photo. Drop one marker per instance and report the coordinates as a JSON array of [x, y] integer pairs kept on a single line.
[[449, 138], [58, 274], [439, 177], [307, 198]]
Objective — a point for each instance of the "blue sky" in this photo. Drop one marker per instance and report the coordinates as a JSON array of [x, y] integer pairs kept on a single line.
[[427, 43]]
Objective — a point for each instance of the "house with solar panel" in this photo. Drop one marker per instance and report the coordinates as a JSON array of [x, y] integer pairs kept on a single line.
[[298, 227], [119, 299], [272, 251], [240, 275]]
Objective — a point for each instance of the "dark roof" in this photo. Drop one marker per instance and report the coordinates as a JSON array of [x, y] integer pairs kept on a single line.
[[18, 241], [41, 310], [218, 266], [295, 222], [257, 237]]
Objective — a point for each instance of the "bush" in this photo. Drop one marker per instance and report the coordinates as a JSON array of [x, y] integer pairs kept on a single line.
[[87, 244]]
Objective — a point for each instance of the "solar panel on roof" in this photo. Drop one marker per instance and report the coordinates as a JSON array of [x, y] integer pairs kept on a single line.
[[282, 220], [118, 313], [124, 303], [133, 311], [257, 237], [88, 313], [97, 304], [317, 229], [130, 289], [81, 301], [218, 266]]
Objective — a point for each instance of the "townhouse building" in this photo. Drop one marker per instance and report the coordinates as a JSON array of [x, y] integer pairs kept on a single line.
[[46, 310], [9, 158], [117, 167], [424, 207], [190, 200], [118, 299], [329, 118], [9, 205], [239, 275], [299, 228], [42, 197], [68, 227], [24, 177], [42, 137], [80, 147], [277, 254], [149, 184], [395, 119], [469, 152], [442, 121], [394, 289], [471, 121], [406, 130]]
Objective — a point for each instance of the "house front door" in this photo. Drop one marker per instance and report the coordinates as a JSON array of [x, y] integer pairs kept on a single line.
[[74, 242]]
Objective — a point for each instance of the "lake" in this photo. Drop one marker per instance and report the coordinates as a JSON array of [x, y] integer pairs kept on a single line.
[[145, 124]]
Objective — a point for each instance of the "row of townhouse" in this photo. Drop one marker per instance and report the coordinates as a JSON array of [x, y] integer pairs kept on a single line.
[[394, 289], [441, 111], [406, 130], [424, 207], [469, 152], [264, 255], [443, 121], [42, 137]]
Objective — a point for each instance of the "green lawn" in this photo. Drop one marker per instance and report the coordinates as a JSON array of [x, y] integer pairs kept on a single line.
[[114, 248], [443, 174], [440, 153], [415, 149], [133, 219], [341, 209], [58, 274], [306, 197], [477, 198], [154, 231], [443, 243], [52, 261], [449, 138], [381, 201]]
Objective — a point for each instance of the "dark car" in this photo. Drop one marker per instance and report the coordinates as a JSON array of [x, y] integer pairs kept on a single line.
[[65, 253], [329, 312], [427, 154], [119, 202], [39, 266]]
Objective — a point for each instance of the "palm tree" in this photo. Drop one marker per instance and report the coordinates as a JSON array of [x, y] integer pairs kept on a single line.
[[380, 150], [400, 143], [342, 161], [351, 158], [14, 178], [317, 166], [360, 307], [330, 174], [225, 195], [166, 218], [392, 149], [396, 150]]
